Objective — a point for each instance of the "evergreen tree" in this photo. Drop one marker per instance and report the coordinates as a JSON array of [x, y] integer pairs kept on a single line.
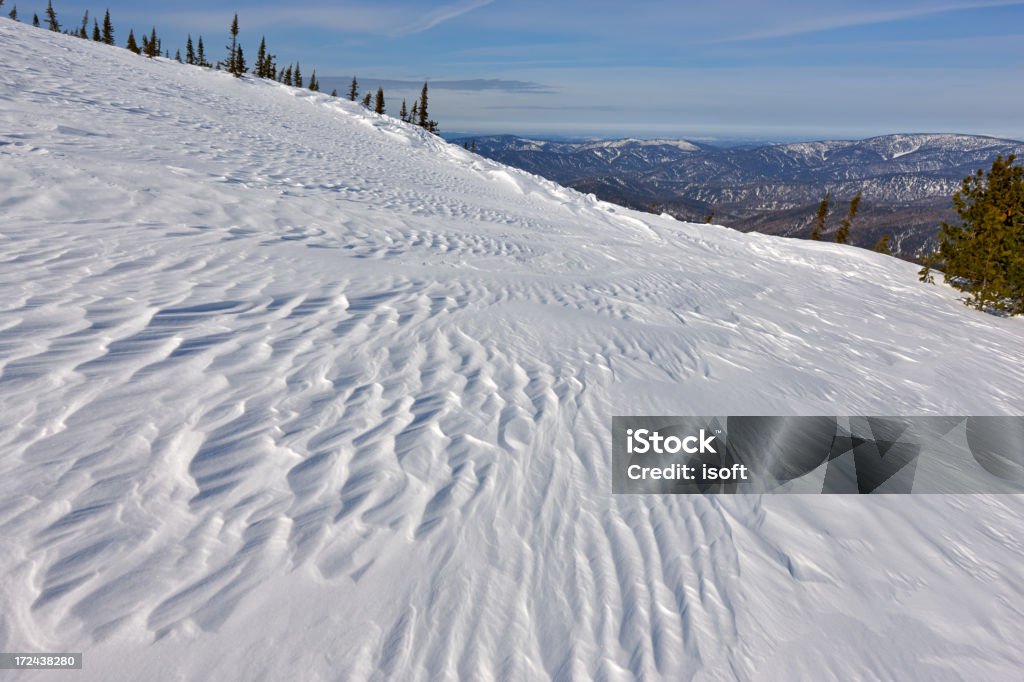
[[414, 114], [297, 75], [201, 54], [423, 120], [261, 59], [190, 51], [35, 20], [984, 254], [287, 80], [353, 90], [151, 46], [472, 148], [314, 84], [366, 101], [51, 17], [334, 92], [882, 245], [843, 233], [378, 104], [96, 35], [177, 56], [231, 63], [820, 217], [108, 29], [14, 13], [239, 62], [403, 113], [82, 29], [131, 44]]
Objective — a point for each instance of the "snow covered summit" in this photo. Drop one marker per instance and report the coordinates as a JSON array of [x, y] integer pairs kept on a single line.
[[289, 386]]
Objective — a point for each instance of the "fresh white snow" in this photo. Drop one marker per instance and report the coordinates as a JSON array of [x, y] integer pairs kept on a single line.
[[289, 390]]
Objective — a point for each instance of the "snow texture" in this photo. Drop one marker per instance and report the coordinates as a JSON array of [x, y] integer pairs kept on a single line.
[[289, 390]]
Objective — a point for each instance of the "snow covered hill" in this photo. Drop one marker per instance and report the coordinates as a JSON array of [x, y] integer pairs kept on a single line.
[[289, 390]]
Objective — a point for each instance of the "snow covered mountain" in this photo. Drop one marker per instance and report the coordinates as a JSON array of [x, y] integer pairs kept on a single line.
[[289, 390], [906, 180]]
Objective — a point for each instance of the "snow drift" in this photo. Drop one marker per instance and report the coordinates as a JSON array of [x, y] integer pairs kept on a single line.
[[292, 390]]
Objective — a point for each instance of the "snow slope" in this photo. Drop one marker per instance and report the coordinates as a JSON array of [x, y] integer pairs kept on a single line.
[[289, 390]]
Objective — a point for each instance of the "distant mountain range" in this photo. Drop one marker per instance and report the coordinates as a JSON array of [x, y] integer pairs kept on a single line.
[[907, 180]]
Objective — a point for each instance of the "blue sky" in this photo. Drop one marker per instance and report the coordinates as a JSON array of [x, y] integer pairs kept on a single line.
[[731, 69]]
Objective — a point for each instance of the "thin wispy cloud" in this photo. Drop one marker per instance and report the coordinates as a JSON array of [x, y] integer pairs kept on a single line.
[[861, 19], [439, 16], [387, 19]]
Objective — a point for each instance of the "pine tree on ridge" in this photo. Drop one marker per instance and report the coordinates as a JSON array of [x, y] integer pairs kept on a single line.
[[131, 44], [108, 29], [820, 217], [51, 17], [843, 233]]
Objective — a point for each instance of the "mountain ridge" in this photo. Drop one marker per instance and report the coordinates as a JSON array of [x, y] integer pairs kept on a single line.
[[906, 179]]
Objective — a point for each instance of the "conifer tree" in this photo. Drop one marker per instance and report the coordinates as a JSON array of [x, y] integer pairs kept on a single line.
[[201, 54], [287, 80], [239, 62], [151, 45], [260, 70], [35, 20], [190, 51], [131, 44], [472, 148], [297, 75], [233, 47], [353, 90], [82, 28], [424, 120], [51, 17], [378, 104], [882, 245], [108, 29], [314, 84], [414, 114], [177, 56], [984, 254], [403, 113], [843, 233], [366, 101], [334, 92], [96, 36], [820, 217], [14, 13]]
